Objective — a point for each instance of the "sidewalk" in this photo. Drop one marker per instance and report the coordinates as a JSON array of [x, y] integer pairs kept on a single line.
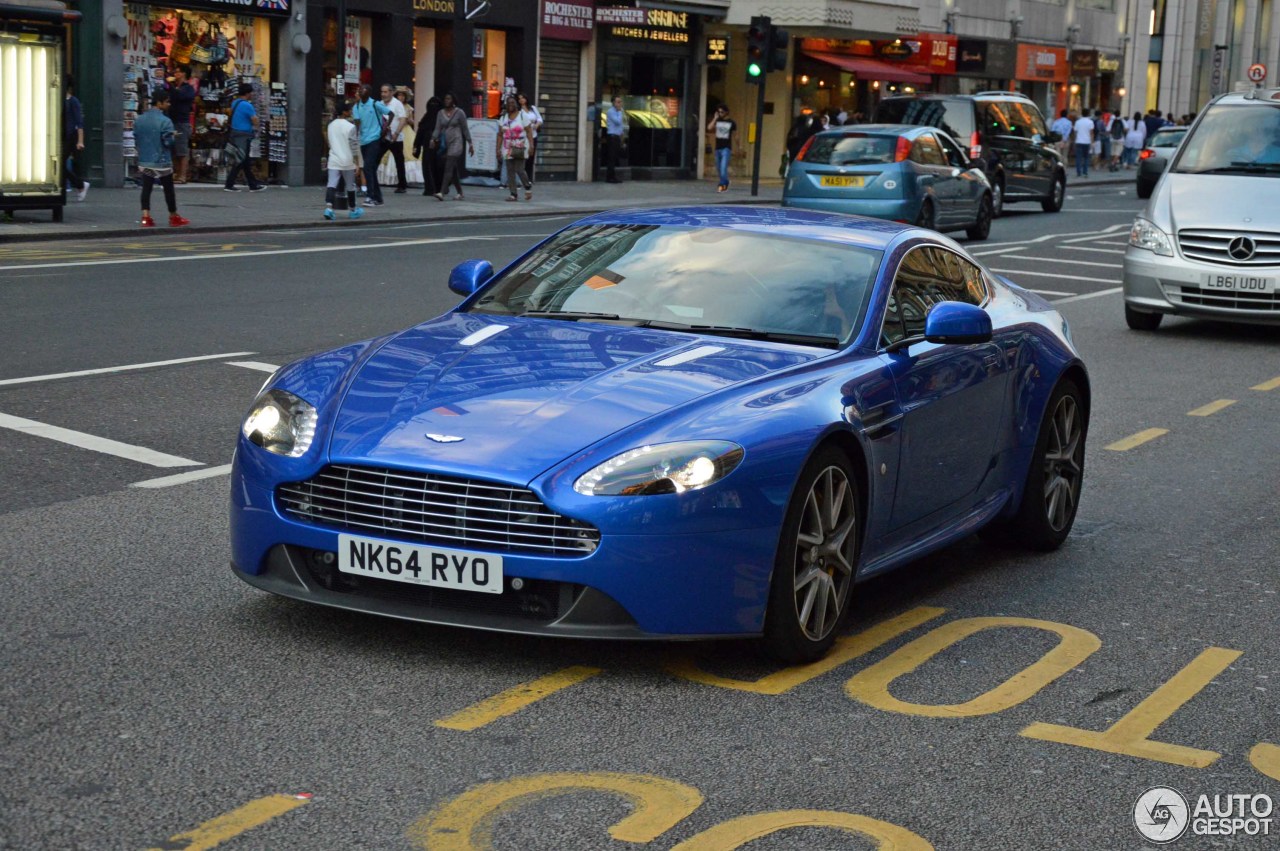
[[115, 212]]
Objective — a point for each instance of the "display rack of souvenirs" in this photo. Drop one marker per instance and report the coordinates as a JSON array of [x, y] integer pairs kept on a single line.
[[278, 124]]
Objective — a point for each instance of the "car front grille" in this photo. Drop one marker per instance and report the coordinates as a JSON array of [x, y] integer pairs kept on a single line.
[[436, 510], [1180, 293], [1213, 246]]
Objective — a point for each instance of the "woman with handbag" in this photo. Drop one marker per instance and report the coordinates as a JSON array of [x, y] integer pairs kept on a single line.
[[530, 114], [451, 128], [514, 133]]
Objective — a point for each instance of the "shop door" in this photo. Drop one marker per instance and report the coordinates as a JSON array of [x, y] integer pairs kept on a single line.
[[556, 155]]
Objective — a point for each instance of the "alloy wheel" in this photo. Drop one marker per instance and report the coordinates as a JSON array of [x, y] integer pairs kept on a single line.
[[1063, 464], [997, 200], [825, 546]]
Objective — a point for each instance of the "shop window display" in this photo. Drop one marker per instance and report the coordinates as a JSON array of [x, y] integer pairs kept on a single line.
[[222, 51]]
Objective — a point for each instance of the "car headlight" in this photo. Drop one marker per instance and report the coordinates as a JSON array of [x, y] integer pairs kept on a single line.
[[282, 423], [1146, 235], [662, 468]]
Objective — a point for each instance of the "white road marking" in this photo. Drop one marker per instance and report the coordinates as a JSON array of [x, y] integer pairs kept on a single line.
[[1072, 262], [1094, 238], [1112, 291], [183, 478], [266, 253], [254, 364], [98, 444], [1050, 292], [1054, 275], [1099, 250], [997, 251], [110, 369], [1092, 234]]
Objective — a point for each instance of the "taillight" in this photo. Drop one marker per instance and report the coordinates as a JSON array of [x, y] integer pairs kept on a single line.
[[1146, 154], [903, 150], [975, 145], [805, 148]]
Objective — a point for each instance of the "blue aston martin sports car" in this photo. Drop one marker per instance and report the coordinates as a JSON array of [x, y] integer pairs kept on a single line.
[[686, 423]]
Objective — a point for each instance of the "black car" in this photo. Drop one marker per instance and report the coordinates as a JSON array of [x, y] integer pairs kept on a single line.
[[1004, 129]]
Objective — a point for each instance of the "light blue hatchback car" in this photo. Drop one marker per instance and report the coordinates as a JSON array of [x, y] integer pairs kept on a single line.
[[913, 175]]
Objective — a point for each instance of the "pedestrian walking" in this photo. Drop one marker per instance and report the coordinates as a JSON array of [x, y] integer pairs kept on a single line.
[[182, 99], [1098, 151], [1117, 133], [73, 139], [368, 114], [723, 127], [153, 136], [393, 135], [514, 133], [615, 131], [344, 162], [1153, 122], [529, 112], [450, 133], [244, 126], [1134, 137], [425, 151], [1062, 126], [1084, 144]]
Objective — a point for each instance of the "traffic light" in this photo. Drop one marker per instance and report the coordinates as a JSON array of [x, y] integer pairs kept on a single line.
[[758, 49], [779, 47]]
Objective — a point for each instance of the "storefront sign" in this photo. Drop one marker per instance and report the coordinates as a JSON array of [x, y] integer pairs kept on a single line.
[[137, 43], [245, 56], [925, 54], [717, 50], [1108, 63], [436, 7], [971, 56], [351, 51], [243, 7], [484, 140], [897, 49], [620, 15], [1041, 63], [569, 20], [646, 24], [1002, 59], [1084, 63]]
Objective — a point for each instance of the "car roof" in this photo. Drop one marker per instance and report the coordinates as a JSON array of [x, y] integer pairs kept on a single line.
[[1260, 96], [942, 96], [859, 231], [895, 129]]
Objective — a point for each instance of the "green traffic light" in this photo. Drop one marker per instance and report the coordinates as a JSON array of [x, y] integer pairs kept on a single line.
[[754, 69]]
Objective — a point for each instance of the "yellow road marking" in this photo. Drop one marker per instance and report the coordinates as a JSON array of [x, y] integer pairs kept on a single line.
[[1130, 735], [1136, 439], [1211, 408], [737, 832], [871, 686], [514, 699], [1266, 758], [229, 825], [846, 649], [466, 822], [1267, 385]]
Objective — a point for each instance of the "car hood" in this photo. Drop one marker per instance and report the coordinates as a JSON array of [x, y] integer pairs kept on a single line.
[[1222, 201], [513, 404]]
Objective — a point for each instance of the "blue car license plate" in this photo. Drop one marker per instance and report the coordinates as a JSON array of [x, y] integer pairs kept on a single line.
[[435, 566]]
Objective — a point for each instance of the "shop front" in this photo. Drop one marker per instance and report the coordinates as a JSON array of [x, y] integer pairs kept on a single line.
[[1042, 74], [223, 43], [853, 75], [567, 28], [983, 65], [1092, 83], [647, 57]]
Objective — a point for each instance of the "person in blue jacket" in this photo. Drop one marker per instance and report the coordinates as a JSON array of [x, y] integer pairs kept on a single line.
[[153, 134]]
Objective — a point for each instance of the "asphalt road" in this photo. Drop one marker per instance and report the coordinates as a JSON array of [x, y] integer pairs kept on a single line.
[[150, 700]]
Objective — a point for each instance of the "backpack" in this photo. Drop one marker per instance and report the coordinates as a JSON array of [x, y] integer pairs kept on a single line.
[[1098, 128], [1117, 128]]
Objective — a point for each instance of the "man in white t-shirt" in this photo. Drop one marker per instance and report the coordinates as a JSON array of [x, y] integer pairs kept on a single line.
[[392, 139], [1084, 144]]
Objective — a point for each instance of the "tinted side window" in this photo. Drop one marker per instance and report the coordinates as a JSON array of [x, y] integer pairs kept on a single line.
[[1036, 120], [953, 153], [927, 276], [994, 120], [926, 151], [952, 115], [1024, 123]]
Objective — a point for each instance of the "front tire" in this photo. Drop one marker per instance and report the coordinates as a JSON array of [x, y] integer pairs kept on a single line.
[[1137, 320], [1057, 195], [1051, 494], [997, 198], [817, 557], [982, 227], [927, 218]]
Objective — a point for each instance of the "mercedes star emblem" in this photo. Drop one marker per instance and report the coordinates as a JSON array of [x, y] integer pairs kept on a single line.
[[1242, 248]]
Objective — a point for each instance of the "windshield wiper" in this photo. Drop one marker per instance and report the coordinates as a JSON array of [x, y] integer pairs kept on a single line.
[[745, 333], [1248, 168], [568, 315]]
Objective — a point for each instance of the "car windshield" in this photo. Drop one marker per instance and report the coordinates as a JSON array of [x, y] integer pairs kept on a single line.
[[707, 280], [1234, 139], [1168, 138], [851, 149]]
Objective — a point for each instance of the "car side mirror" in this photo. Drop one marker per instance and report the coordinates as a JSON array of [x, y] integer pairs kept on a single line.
[[469, 276], [978, 163], [956, 322]]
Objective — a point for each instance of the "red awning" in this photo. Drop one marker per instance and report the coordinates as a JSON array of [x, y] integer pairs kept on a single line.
[[870, 69]]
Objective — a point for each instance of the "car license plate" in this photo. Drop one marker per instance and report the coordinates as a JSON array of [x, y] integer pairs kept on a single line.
[[434, 566], [842, 181], [1239, 283]]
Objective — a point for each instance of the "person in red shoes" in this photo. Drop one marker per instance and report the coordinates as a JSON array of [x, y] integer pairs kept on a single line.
[[153, 134]]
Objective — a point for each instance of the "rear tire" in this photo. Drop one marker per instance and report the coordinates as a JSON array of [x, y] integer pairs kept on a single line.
[[997, 198], [926, 218], [817, 559], [1057, 195], [1051, 494], [982, 227], [1141, 321]]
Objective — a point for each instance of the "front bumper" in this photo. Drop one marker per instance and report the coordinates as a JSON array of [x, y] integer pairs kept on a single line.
[[694, 585], [1156, 284]]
